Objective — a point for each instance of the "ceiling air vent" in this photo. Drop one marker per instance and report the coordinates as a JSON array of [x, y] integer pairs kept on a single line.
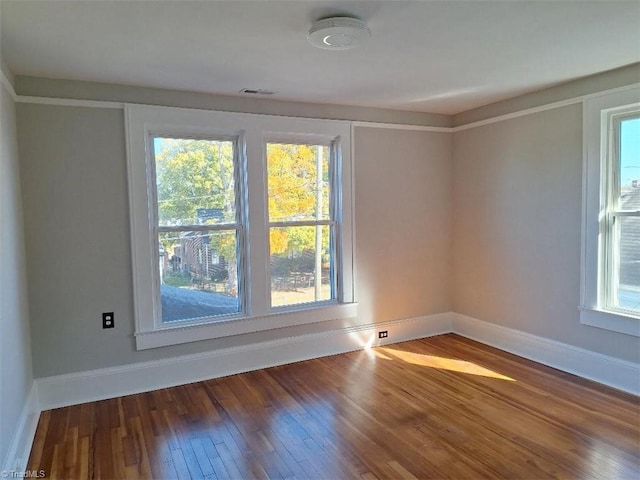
[[257, 91]]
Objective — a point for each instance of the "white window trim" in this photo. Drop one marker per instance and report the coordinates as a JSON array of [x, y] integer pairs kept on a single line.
[[252, 131], [593, 311]]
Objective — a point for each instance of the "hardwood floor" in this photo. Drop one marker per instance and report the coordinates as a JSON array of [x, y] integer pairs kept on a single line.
[[442, 407]]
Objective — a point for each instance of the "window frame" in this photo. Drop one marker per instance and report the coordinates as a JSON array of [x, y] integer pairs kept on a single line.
[[239, 225], [252, 132], [601, 114], [612, 211], [335, 210]]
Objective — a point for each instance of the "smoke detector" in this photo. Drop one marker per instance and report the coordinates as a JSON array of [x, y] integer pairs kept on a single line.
[[338, 33]]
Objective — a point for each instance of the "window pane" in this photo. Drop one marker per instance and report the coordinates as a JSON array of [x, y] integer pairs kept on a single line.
[[195, 181], [301, 265], [629, 271], [198, 274], [630, 164], [298, 182]]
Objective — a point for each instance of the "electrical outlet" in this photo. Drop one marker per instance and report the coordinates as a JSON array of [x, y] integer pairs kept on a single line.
[[108, 320], [383, 334]]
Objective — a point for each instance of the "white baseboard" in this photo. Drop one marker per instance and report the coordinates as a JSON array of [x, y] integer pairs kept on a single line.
[[603, 369], [22, 440], [88, 386], [81, 387]]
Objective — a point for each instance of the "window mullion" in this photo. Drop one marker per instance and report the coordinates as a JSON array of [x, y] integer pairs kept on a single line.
[[258, 229]]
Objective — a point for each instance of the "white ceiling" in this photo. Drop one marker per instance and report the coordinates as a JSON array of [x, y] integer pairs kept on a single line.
[[441, 57]]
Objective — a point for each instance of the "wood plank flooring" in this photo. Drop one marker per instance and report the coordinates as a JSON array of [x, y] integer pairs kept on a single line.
[[442, 407]]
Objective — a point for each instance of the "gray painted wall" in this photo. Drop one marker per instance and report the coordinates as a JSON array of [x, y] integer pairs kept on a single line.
[[516, 229], [74, 89], [77, 235], [403, 223], [509, 202], [79, 90], [616, 78], [16, 377]]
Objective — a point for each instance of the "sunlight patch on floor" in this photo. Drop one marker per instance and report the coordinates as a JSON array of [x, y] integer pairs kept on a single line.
[[438, 362], [606, 462]]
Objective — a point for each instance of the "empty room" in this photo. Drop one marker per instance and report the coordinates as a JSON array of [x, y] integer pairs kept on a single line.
[[319, 239]]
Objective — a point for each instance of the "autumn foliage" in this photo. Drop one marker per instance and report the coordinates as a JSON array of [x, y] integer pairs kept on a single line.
[[195, 176]]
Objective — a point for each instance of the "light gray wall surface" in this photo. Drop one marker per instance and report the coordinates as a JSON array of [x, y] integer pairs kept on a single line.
[[77, 236], [7, 72], [16, 377], [403, 223], [78, 90], [517, 225], [620, 77], [510, 202]]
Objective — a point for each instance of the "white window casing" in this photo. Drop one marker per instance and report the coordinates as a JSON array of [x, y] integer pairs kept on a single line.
[[601, 115], [250, 133]]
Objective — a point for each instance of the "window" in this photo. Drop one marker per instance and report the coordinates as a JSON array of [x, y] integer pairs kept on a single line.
[[611, 226], [239, 223], [301, 223], [621, 219], [198, 227]]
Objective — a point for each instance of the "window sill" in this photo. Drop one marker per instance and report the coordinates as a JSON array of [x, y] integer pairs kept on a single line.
[[175, 335], [614, 321]]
